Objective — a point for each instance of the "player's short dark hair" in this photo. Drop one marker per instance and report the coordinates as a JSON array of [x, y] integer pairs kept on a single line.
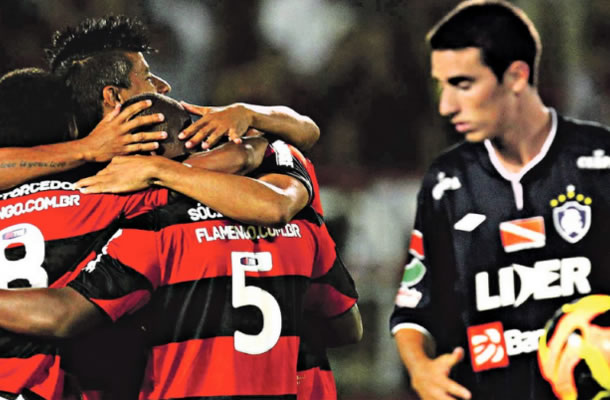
[[35, 108], [502, 31], [92, 55], [176, 120]]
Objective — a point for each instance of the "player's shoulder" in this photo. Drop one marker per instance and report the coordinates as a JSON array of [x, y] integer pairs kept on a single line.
[[584, 133], [453, 161]]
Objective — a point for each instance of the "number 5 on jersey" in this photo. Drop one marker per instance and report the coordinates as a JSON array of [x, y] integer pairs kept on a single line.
[[243, 295]]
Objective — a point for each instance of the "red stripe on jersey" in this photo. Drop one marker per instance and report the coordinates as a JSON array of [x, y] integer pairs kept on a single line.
[[70, 213], [116, 308], [323, 299], [212, 367], [316, 384], [40, 373], [416, 247]]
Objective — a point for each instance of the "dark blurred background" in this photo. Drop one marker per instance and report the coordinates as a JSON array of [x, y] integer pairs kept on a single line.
[[359, 68]]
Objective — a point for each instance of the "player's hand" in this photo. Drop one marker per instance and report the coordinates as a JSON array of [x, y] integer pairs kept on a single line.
[[431, 380], [123, 174], [215, 122], [112, 135]]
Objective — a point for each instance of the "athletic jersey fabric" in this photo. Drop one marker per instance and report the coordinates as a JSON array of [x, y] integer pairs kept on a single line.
[[315, 379], [494, 254], [224, 320], [48, 230]]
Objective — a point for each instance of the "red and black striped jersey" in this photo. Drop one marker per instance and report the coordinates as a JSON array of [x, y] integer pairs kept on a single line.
[[226, 314], [315, 379], [48, 231]]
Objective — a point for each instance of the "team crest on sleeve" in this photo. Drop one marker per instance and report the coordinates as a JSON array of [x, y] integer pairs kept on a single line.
[[416, 246], [572, 214], [407, 296], [522, 234]]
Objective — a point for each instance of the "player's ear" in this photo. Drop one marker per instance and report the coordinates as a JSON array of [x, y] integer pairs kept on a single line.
[[517, 75], [111, 96]]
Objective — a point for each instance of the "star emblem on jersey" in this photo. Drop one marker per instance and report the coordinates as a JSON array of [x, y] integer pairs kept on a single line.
[[522, 234], [572, 214], [487, 346]]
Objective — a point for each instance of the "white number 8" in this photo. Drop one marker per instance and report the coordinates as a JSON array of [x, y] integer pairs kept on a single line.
[[30, 266], [243, 295]]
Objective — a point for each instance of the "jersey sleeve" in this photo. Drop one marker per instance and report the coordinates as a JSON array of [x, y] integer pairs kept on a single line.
[[332, 291], [141, 202], [428, 270], [122, 277], [281, 158]]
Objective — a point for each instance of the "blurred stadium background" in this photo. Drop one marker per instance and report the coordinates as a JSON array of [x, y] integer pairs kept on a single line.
[[359, 68]]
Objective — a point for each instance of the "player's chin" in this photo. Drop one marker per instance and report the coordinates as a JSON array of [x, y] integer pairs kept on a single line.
[[474, 136]]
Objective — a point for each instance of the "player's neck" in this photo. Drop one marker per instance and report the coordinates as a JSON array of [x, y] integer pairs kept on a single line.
[[523, 140]]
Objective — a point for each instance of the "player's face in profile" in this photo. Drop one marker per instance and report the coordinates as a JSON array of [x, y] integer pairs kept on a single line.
[[469, 93], [142, 80]]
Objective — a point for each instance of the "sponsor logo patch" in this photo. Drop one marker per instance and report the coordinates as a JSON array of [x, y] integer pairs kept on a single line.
[[522, 234], [445, 183], [469, 222], [491, 346], [487, 346], [572, 214], [599, 160]]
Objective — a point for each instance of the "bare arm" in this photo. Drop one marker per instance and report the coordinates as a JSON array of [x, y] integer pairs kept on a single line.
[[270, 200], [429, 376], [109, 138], [46, 312], [235, 119]]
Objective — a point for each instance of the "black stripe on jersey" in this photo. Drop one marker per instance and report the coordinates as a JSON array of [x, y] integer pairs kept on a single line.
[[22, 346], [311, 357], [257, 397], [203, 309], [339, 278], [115, 281], [64, 255]]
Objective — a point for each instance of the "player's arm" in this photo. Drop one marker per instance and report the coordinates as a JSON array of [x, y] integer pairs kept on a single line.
[[429, 375], [109, 138], [48, 312], [341, 330], [235, 119], [272, 199]]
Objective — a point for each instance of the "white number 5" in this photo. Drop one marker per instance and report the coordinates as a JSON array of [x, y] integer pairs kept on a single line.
[[243, 295], [30, 266]]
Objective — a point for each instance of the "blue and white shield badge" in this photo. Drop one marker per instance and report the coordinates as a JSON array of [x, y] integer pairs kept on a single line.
[[572, 220]]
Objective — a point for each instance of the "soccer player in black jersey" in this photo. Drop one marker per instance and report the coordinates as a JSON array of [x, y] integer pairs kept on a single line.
[[511, 223]]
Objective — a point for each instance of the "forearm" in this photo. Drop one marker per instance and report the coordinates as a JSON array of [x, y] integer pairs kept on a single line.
[[241, 198], [285, 123], [21, 164], [43, 312], [415, 348], [232, 158]]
